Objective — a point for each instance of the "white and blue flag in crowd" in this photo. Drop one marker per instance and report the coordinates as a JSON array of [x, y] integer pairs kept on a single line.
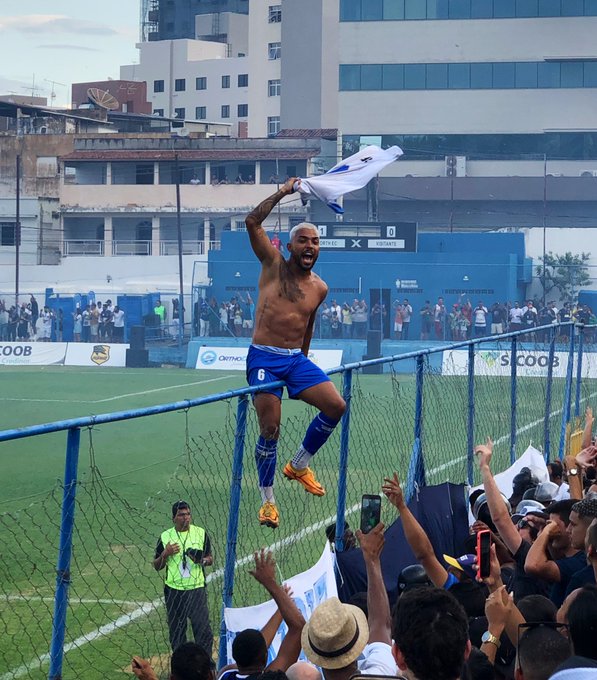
[[350, 174]]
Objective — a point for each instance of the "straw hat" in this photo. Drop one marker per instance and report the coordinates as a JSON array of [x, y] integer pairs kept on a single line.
[[335, 635]]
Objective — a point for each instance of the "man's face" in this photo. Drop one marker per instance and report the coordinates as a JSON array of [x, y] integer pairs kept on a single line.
[[182, 519], [577, 531], [304, 249]]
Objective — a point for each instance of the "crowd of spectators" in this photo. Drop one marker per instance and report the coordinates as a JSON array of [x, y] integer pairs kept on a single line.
[[533, 616]]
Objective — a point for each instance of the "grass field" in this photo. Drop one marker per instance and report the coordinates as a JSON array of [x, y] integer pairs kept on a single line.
[[131, 472]]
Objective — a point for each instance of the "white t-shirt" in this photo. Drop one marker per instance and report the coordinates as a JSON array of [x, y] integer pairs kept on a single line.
[[516, 314], [118, 319], [480, 316], [563, 492], [377, 659]]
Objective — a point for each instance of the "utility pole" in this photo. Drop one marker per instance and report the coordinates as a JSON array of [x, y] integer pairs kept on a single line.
[[544, 220], [179, 235], [17, 229]]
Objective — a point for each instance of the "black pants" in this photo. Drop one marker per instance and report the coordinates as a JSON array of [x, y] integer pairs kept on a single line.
[[182, 605]]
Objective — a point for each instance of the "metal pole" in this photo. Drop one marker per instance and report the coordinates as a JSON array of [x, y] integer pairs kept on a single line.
[[471, 413], [179, 236], [63, 578], [17, 229], [416, 468], [233, 513], [343, 471], [547, 415], [579, 371], [567, 398], [513, 396], [544, 220]]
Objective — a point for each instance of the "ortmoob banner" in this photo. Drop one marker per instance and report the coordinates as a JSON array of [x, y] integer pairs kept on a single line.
[[226, 358], [529, 363], [309, 589], [32, 353]]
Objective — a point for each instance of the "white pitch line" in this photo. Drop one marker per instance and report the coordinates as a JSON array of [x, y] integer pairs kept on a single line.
[[72, 600], [148, 608], [121, 396]]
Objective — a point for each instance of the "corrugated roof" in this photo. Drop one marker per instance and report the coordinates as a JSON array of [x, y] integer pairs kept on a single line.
[[194, 154], [306, 133]]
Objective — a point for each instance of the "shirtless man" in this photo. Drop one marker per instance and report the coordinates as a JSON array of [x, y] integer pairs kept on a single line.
[[289, 295]]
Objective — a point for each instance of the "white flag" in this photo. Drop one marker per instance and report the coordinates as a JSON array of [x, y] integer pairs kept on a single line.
[[348, 175]]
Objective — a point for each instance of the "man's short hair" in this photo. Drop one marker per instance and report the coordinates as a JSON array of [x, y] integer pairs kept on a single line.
[[582, 619], [541, 650], [562, 509], [191, 662], [536, 608], [471, 596], [556, 468], [302, 225], [430, 629], [330, 531], [586, 508], [479, 667], [179, 505], [249, 648]]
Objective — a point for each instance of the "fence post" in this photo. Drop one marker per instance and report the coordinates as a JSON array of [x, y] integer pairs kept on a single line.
[[471, 413], [547, 415], [63, 579], [513, 396], [567, 397], [416, 468], [343, 471], [579, 372], [233, 512]]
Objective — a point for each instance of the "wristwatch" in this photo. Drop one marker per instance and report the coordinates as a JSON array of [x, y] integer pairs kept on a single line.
[[573, 471], [489, 637]]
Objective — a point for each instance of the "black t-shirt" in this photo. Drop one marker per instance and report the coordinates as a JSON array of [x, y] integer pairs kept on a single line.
[[521, 583], [579, 578], [568, 566]]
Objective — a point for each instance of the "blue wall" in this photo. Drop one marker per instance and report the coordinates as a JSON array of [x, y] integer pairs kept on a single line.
[[486, 267]]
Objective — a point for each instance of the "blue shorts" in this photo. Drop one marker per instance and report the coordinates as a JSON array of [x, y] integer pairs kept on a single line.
[[299, 373]]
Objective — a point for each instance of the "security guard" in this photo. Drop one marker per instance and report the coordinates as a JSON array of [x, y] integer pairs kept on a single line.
[[184, 550]]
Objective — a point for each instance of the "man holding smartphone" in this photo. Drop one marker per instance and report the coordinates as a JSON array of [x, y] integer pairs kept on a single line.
[[185, 550]]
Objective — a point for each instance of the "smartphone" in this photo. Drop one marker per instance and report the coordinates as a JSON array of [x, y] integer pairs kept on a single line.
[[370, 512], [483, 554]]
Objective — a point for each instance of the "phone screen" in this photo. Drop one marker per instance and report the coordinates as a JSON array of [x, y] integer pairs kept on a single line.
[[483, 546], [370, 512]]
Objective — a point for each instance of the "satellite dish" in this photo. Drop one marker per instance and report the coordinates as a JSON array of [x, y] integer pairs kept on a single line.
[[183, 132], [102, 99]]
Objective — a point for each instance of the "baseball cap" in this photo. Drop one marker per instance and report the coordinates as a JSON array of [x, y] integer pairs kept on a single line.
[[463, 563]]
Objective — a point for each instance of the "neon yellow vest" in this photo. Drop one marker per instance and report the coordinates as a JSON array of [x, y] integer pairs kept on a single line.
[[193, 538]]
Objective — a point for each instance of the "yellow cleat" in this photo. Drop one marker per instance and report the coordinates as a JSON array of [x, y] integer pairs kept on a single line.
[[269, 515], [305, 477]]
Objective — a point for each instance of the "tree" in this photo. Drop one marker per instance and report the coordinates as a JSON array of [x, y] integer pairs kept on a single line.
[[564, 273]]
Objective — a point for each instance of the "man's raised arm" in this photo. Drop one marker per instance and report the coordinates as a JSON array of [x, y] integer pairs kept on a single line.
[[262, 246]]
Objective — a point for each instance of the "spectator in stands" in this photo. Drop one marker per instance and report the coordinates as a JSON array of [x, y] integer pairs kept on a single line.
[[160, 311], [398, 325], [34, 308], [439, 319], [497, 314], [86, 333], [3, 321], [556, 475], [214, 317], [337, 633], [77, 324], [359, 319], [349, 538], [335, 326], [248, 307], [118, 321], [582, 620], [541, 650], [238, 320], [377, 316], [325, 320], [223, 314], [346, 321], [189, 662], [184, 550], [93, 323], [276, 241], [430, 633], [529, 316], [426, 315], [480, 320], [23, 325], [515, 317], [59, 325], [108, 323], [407, 312], [301, 670]]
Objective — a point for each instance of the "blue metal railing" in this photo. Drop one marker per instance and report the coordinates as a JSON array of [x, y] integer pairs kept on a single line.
[[416, 472]]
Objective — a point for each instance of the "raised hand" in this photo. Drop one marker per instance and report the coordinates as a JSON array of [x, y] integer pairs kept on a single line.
[[484, 451], [265, 567], [372, 543], [393, 492]]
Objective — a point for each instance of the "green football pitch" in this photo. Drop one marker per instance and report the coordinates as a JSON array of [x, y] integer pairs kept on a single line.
[[131, 472]]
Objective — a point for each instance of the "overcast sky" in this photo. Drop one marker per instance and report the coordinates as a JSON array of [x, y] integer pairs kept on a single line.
[[67, 41]]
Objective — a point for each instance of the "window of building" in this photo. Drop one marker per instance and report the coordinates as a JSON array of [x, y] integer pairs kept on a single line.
[[371, 77], [350, 76], [180, 85], [548, 74], [180, 112], [392, 76], [158, 112], [225, 82], [7, 233], [400, 10], [571, 74], [201, 83], [273, 126], [526, 75], [414, 76], [274, 15], [158, 85], [274, 51], [225, 113], [242, 110], [243, 80], [459, 76], [273, 88], [437, 76], [200, 112]]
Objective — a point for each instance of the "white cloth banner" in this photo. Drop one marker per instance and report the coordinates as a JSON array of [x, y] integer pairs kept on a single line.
[[309, 589], [32, 353], [96, 354], [235, 358], [529, 363], [348, 175]]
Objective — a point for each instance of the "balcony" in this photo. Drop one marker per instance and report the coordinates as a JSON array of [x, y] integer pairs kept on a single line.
[[124, 248]]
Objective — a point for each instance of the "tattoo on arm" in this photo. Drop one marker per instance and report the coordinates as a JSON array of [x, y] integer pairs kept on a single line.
[[258, 215]]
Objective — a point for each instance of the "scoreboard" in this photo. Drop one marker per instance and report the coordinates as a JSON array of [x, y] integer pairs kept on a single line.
[[400, 237]]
